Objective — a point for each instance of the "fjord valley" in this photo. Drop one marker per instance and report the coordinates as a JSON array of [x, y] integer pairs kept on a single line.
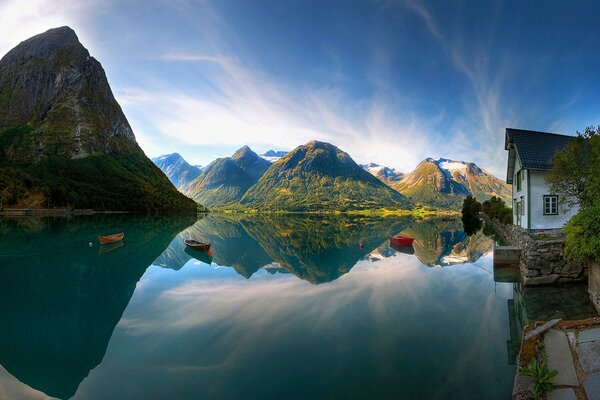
[[299, 200], [64, 140]]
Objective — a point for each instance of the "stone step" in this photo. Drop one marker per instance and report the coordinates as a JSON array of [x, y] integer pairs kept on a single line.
[[560, 358]]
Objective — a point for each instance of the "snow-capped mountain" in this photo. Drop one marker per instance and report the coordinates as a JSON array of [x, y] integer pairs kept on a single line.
[[441, 182], [385, 174]]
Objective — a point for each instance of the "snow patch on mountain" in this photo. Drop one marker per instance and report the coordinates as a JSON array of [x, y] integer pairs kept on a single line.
[[453, 165]]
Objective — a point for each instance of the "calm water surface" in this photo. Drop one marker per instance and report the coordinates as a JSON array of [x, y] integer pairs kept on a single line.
[[286, 308]]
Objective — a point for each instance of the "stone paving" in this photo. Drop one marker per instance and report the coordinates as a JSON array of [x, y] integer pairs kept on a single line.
[[573, 349]]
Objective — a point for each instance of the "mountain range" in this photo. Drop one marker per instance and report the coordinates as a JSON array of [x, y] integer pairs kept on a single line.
[[64, 140], [224, 181], [319, 176]]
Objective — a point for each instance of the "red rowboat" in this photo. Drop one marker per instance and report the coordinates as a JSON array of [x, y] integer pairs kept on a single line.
[[402, 240], [194, 244], [114, 238]]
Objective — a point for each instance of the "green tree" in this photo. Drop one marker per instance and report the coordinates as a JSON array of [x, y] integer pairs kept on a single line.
[[574, 177], [470, 215], [495, 208]]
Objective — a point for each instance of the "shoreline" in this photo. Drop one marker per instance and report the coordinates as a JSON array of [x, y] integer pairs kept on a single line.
[[68, 212]]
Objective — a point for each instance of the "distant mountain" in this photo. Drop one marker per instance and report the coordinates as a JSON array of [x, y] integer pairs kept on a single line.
[[445, 183], [179, 172], [319, 176], [224, 181], [385, 174], [273, 155], [64, 140]]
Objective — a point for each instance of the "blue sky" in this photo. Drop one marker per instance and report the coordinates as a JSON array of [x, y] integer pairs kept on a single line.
[[391, 82]]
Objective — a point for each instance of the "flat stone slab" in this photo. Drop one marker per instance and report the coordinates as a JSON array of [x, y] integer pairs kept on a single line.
[[592, 386], [589, 356], [562, 394], [541, 329], [589, 335], [560, 358]]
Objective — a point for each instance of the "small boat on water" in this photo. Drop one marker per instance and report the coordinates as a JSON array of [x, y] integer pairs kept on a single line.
[[402, 240], [194, 244], [114, 238]]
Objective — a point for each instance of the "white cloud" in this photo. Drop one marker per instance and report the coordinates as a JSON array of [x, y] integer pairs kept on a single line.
[[248, 108], [21, 19]]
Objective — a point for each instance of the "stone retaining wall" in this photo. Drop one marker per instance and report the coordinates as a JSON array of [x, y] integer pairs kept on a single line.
[[594, 283], [542, 258]]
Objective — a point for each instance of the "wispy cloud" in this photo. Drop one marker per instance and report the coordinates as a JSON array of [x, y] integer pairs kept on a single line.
[[247, 107]]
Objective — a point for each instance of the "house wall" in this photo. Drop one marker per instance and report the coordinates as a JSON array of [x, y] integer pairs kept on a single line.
[[517, 194], [539, 188]]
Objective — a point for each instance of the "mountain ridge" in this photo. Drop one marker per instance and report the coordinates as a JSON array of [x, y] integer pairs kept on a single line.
[[319, 176]]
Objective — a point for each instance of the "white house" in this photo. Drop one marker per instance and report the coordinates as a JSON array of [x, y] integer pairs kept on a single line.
[[529, 159]]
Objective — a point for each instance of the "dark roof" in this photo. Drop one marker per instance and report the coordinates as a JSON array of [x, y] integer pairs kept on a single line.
[[536, 149]]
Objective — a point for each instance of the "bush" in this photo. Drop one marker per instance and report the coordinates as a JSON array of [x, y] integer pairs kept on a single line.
[[583, 235], [495, 208]]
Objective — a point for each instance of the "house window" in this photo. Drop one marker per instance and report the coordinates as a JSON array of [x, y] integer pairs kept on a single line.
[[519, 180], [518, 211], [551, 205], [522, 208]]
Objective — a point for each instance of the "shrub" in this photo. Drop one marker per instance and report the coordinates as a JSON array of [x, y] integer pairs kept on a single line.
[[495, 208]]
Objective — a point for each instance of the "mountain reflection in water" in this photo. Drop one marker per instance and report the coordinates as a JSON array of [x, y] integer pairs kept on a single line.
[[321, 248], [153, 318], [60, 300]]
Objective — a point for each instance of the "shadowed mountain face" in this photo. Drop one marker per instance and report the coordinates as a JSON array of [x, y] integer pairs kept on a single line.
[[179, 172], [61, 299], [224, 181], [64, 137], [446, 183], [319, 176]]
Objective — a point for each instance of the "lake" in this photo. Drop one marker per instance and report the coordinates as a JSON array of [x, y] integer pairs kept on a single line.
[[287, 307]]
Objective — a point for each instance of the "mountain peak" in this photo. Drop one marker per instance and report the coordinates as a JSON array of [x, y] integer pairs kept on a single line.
[[317, 143], [320, 176], [243, 151]]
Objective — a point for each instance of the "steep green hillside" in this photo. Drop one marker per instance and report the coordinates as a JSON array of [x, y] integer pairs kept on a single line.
[[64, 140], [318, 177]]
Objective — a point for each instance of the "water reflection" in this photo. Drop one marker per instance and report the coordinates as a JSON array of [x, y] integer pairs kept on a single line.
[[224, 326], [530, 304], [320, 248], [61, 300]]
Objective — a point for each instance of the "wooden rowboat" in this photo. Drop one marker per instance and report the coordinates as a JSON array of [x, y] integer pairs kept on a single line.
[[114, 238], [402, 240], [194, 244]]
